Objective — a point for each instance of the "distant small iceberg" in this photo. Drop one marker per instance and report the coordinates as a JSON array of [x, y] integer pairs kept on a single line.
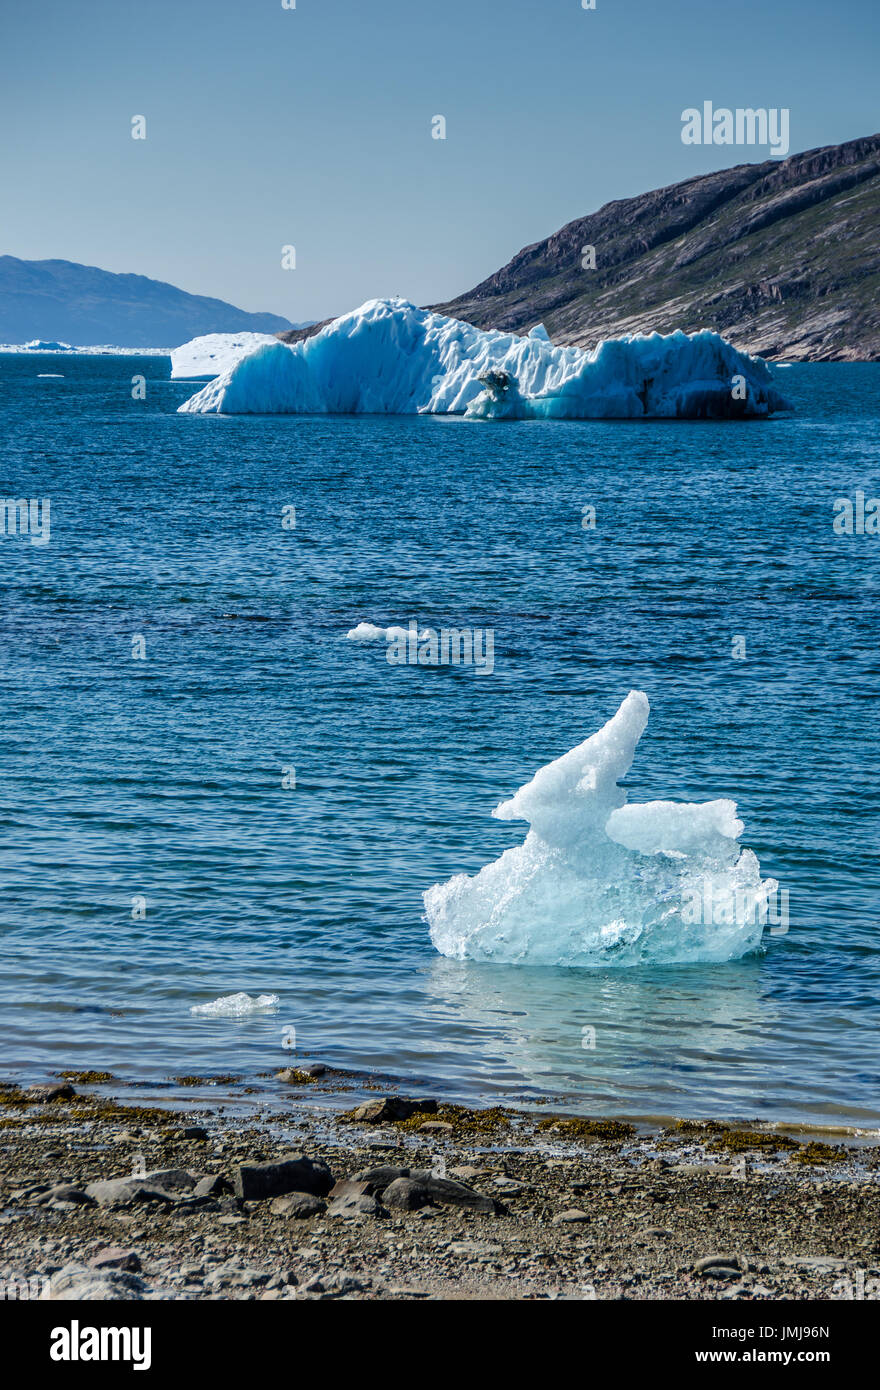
[[83, 350], [390, 358], [599, 883], [237, 1006], [213, 353]]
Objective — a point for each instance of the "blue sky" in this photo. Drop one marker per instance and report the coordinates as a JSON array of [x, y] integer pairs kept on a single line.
[[312, 127]]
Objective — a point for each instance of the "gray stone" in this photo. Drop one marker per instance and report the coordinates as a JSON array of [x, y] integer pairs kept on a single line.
[[719, 1266], [248, 1278], [76, 1282], [474, 1249], [232, 1276], [443, 1190], [124, 1192], [377, 1179], [374, 1112], [116, 1257], [356, 1207], [293, 1173], [172, 1179], [404, 1194], [163, 1185], [48, 1090], [66, 1192], [299, 1206], [350, 1187], [214, 1185], [570, 1217], [456, 1194], [340, 1283]]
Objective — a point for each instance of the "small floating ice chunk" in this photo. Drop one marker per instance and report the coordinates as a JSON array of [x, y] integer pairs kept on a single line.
[[237, 1006], [600, 883], [369, 632], [365, 632]]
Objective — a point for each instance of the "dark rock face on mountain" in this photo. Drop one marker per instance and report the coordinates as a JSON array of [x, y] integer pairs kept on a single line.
[[82, 305], [782, 258]]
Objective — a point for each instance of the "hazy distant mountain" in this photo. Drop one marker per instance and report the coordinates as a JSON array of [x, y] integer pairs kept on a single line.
[[782, 258], [82, 305]]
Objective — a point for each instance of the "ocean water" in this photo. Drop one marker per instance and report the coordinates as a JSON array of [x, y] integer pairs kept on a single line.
[[162, 778]]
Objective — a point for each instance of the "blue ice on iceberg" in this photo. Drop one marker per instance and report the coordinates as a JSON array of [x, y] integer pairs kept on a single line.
[[388, 357], [597, 882]]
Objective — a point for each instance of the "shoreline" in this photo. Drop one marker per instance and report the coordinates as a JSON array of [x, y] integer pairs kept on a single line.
[[416, 1197]]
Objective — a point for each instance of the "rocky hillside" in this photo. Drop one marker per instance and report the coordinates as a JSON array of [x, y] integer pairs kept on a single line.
[[783, 258], [82, 305]]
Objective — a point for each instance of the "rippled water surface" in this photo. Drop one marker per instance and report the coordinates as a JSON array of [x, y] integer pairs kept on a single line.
[[162, 778]]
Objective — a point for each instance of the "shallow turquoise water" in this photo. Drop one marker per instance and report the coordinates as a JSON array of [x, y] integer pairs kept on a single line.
[[163, 777]]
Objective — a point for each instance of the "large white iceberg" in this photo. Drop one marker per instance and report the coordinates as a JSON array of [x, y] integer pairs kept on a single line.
[[388, 357], [600, 883]]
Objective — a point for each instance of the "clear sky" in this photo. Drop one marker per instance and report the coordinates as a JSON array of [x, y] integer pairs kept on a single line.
[[311, 127]]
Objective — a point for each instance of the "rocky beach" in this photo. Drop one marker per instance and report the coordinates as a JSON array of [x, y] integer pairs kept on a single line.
[[300, 1194]]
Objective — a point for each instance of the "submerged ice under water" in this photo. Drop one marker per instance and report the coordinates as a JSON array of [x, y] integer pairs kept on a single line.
[[597, 882]]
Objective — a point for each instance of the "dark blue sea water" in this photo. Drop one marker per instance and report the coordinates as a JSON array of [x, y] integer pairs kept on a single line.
[[162, 777]]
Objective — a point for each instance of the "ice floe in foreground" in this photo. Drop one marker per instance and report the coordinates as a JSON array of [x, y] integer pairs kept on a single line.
[[598, 882], [388, 357], [237, 1006]]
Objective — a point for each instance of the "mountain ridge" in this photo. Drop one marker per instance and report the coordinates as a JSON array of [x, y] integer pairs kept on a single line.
[[66, 301], [782, 258]]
